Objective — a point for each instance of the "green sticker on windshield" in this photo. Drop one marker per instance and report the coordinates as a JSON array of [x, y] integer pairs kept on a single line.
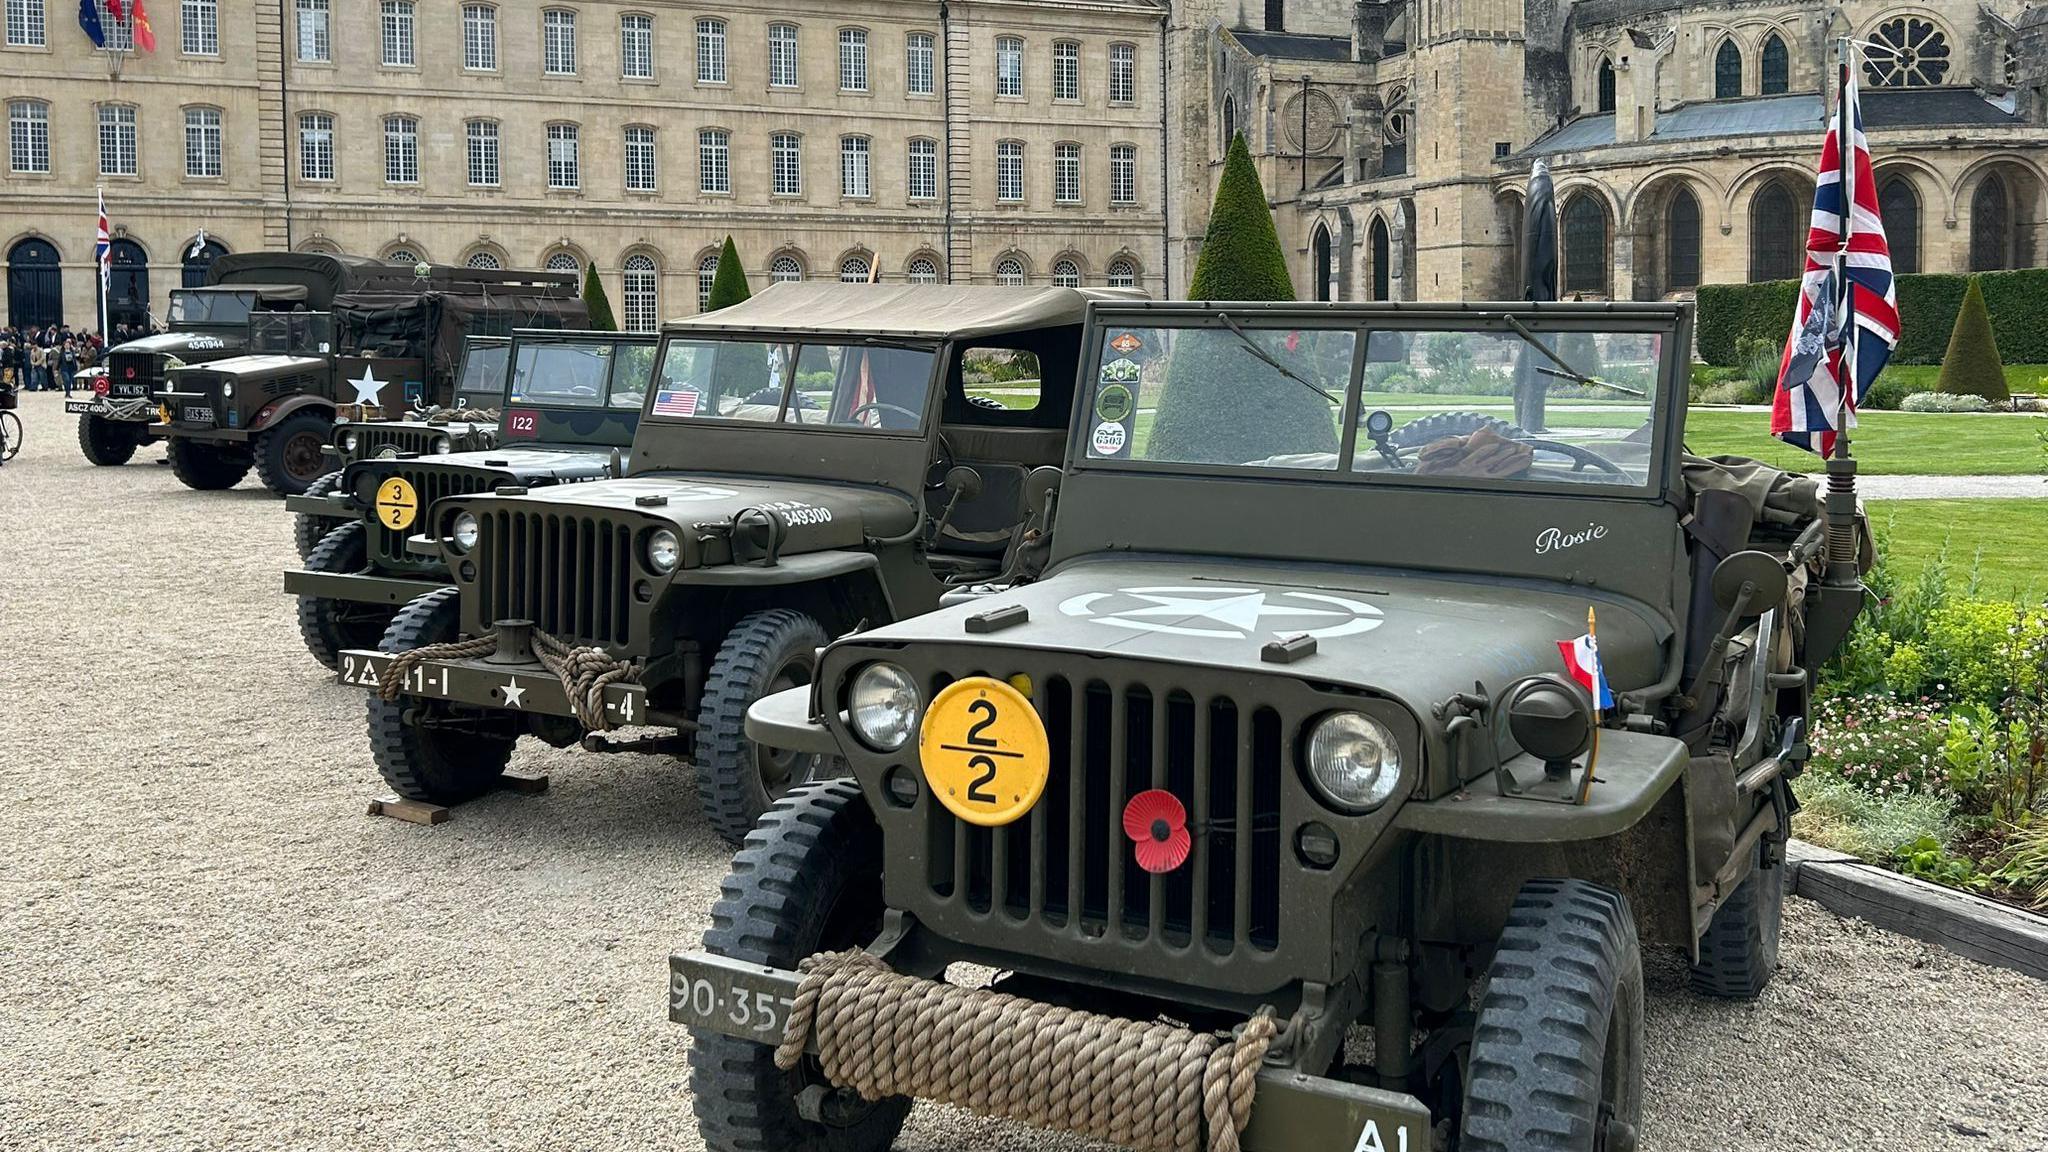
[[1113, 403]]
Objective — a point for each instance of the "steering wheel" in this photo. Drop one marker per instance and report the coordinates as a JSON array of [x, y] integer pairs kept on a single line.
[[1580, 456], [880, 406], [942, 463]]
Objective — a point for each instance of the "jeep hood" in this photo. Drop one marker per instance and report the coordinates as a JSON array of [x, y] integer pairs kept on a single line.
[[510, 464]]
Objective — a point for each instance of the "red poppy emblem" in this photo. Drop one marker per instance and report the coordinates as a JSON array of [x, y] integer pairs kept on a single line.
[[1158, 825], [99, 386]]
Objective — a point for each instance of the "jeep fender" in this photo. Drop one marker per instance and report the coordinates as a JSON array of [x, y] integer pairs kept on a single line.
[[840, 587], [276, 411]]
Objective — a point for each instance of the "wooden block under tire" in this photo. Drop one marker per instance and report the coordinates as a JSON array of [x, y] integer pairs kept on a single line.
[[421, 812]]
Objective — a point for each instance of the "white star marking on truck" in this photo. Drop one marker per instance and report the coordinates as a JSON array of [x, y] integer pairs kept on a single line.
[[1229, 613], [514, 694], [367, 386]]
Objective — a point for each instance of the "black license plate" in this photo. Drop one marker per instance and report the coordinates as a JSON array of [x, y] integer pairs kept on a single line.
[[130, 390], [196, 415]]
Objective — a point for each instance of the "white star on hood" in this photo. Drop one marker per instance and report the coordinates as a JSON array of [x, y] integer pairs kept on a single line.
[[367, 386]]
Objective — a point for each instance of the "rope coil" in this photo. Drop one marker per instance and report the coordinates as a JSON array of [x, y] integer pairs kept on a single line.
[[1148, 1086], [584, 672], [439, 416]]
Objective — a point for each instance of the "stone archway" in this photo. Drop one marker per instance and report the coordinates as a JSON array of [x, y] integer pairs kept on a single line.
[[35, 284]]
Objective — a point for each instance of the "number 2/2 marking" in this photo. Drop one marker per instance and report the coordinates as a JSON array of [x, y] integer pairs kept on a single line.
[[986, 709], [977, 789]]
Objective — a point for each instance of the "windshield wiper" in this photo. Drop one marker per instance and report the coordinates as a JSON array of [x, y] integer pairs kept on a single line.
[[1566, 371], [1276, 365]]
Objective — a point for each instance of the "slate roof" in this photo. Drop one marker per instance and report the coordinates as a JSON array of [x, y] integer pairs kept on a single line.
[[1773, 115], [1288, 46]]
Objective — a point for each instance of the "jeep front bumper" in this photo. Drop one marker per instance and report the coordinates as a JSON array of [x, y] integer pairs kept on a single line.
[[337, 506], [485, 682], [359, 587], [1292, 1110]]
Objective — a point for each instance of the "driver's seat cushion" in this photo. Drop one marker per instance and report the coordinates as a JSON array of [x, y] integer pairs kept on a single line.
[[986, 524]]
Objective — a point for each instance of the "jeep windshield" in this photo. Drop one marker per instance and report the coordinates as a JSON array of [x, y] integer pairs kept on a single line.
[[483, 375], [579, 374], [1487, 400], [865, 387], [196, 308]]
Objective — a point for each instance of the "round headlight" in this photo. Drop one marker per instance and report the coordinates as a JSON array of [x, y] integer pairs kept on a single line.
[[443, 446], [464, 531], [663, 551], [227, 389], [883, 706], [348, 441], [1353, 762]]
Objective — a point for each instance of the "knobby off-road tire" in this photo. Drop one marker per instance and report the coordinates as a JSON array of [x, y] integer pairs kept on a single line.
[[1557, 1046], [288, 456], [107, 443], [418, 758], [808, 880], [1739, 953], [736, 779], [207, 467], [328, 626], [309, 530], [1442, 425]]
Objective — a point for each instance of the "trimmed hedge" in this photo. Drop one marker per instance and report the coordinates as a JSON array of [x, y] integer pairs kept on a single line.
[[1928, 305], [729, 284], [597, 303], [1971, 367]]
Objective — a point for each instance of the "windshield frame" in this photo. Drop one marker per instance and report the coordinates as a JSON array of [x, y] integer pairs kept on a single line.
[[939, 350], [615, 341], [1364, 320], [249, 298]]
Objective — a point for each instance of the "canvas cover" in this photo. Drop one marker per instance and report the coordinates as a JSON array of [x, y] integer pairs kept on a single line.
[[430, 326], [322, 276], [914, 311]]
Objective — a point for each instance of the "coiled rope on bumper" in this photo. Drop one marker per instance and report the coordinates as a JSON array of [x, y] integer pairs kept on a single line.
[[1148, 1086], [584, 672]]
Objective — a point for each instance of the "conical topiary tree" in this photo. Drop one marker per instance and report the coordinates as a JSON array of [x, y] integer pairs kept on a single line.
[[1972, 366], [729, 286], [596, 303], [1219, 402]]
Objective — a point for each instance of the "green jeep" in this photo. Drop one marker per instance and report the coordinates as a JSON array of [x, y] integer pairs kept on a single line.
[[571, 404], [1279, 758]]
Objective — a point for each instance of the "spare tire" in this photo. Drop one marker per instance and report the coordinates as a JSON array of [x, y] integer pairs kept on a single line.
[[1444, 425]]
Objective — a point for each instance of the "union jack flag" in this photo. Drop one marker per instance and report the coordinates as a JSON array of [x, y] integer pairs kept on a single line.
[[103, 247], [1848, 276]]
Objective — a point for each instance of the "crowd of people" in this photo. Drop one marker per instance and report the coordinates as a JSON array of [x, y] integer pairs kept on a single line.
[[50, 357]]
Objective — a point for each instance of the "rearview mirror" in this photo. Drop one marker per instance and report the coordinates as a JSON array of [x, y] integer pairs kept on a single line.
[[1761, 571]]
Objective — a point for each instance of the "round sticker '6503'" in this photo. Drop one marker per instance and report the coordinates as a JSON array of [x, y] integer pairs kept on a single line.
[[984, 751]]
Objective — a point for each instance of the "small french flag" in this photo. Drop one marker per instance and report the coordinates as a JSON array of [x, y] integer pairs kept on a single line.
[[1582, 660]]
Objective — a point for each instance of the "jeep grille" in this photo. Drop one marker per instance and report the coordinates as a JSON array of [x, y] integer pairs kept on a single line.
[[131, 374], [387, 545], [374, 438], [570, 574]]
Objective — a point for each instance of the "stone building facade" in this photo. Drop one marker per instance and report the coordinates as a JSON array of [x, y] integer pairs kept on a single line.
[[984, 141]]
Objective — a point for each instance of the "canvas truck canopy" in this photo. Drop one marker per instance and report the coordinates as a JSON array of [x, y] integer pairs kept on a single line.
[[323, 277], [914, 311], [430, 325]]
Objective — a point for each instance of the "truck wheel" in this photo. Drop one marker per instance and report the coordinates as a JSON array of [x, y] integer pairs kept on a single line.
[[765, 653], [207, 467], [1557, 1045], [107, 443], [1444, 425], [809, 880], [309, 530], [1739, 953], [288, 456], [429, 750], [332, 625]]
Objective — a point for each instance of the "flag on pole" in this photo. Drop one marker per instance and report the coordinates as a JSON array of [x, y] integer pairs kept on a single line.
[[1582, 661], [89, 23], [1848, 305], [145, 36], [114, 10], [198, 245], [103, 247]]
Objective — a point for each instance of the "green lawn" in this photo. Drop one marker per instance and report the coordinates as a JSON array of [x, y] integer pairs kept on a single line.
[[1999, 543], [1889, 443]]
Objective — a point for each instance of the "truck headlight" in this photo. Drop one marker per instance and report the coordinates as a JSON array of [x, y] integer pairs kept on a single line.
[[464, 531], [663, 550], [443, 446], [1353, 762], [883, 706], [227, 389], [348, 441]]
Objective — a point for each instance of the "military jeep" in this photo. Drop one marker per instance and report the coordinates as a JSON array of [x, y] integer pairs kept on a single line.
[[571, 403], [809, 462], [1280, 752]]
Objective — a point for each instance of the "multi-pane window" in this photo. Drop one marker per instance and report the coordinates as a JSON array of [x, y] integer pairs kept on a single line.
[[1009, 170], [401, 256], [1066, 70], [1009, 66], [640, 163], [401, 150], [1010, 272], [785, 270], [1066, 274], [316, 146], [483, 153], [924, 169], [921, 67], [117, 140], [479, 37], [853, 59], [28, 136], [25, 28], [786, 163], [563, 262], [202, 141], [1122, 274], [637, 279], [1123, 174], [853, 167], [782, 56], [707, 275], [1123, 74], [198, 27], [923, 270], [486, 261], [1066, 173], [565, 167], [854, 270], [120, 33], [636, 47], [316, 42], [714, 161], [396, 24], [710, 51], [558, 42]]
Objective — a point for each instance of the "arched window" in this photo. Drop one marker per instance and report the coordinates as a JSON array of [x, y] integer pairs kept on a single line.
[[638, 290], [1990, 225], [127, 296], [1319, 249], [35, 285], [785, 269], [200, 258], [483, 260], [1605, 84], [1899, 207], [1777, 237], [1776, 67], [1585, 245], [1912, 53], [854, 270], [1229, 121], [1682, 241], [1382, 253], [922, 270], [707, 275], [403, 257], [1727, 71], [564, 262], [1394, 135], [1122, 274], [1066, 274], [1010, 272]]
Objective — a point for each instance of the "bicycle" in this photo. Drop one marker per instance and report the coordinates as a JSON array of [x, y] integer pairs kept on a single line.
[[10, 434]]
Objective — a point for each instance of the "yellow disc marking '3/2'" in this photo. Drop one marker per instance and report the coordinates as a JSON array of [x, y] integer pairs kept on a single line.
[[397, 504], [984, 751]]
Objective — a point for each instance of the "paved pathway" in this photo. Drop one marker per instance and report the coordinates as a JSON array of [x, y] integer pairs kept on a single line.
[[1952, 487]]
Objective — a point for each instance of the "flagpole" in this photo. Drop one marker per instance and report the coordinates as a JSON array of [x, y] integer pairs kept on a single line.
[[1599, 678], [1843, 530], [101, 262]]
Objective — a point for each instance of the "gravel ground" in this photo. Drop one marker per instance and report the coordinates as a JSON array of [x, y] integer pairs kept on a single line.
[[207, 944]]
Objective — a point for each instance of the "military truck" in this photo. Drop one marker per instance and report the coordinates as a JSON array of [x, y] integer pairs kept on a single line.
[[1281, 751], [206, 324], [809, 461], [571, 403], [390, 343]]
